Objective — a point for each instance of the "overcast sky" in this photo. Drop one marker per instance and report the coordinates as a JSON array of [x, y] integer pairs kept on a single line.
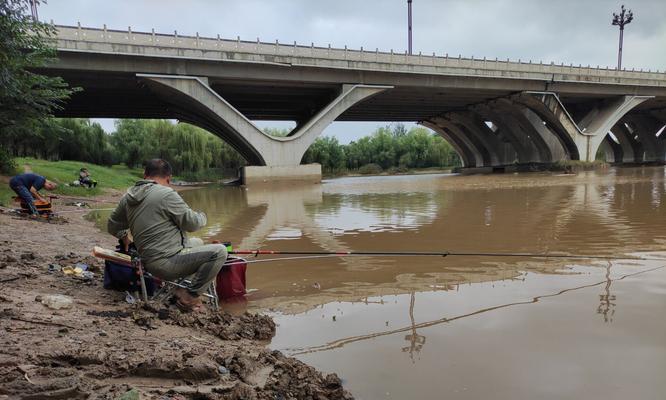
[[569, 31]]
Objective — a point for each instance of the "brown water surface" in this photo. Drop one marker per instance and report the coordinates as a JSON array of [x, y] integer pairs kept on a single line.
[[463, 327]]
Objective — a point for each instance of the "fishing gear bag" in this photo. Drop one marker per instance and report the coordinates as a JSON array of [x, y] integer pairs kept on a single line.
[[230, 283], [124, 278]]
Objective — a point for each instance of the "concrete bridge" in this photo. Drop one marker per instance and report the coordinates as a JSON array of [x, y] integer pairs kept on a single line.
[[495, 113]]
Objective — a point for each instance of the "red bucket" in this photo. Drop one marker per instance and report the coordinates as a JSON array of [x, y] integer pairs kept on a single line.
[[230, 283]]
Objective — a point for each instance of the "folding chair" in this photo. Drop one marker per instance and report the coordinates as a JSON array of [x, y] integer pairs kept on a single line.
[[134, 261]]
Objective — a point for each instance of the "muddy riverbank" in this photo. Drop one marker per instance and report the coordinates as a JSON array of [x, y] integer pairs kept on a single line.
[[101, 347]]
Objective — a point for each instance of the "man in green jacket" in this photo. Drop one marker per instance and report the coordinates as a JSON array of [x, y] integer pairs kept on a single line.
[[156, 217]]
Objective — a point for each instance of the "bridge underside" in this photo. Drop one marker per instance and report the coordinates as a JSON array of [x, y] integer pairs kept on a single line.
[[487, 127]]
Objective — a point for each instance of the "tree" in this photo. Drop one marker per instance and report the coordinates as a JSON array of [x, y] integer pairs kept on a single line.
[[26, 97]]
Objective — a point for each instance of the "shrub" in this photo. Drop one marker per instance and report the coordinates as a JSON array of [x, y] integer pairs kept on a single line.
[[7, 163], [370, 169]]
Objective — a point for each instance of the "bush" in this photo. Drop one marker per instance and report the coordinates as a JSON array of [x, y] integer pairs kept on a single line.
[[7, 163], [398, 170], [370, 169]]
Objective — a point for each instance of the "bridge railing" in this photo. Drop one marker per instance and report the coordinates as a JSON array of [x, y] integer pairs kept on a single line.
[[176, 45]]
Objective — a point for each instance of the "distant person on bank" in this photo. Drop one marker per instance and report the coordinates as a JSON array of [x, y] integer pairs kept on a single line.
[[85, 179], [157, 218], [27, 187]]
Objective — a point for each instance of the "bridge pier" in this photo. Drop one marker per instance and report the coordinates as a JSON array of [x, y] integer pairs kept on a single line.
[[501, 153], [535, 127], [469, 154], [592, 129], [271, 158]]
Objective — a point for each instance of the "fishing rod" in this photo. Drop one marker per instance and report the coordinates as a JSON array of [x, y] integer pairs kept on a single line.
[[85, 210], [257, 253]]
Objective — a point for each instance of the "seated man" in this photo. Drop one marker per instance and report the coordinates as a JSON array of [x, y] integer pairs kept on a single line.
[[27, 187], [85, 179], [157, 217]]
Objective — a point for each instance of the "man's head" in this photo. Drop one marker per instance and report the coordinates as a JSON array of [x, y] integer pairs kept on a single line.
[[158, 170], [48, 185]]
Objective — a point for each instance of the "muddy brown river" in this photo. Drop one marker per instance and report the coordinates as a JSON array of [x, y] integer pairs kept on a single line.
[[463, 327]]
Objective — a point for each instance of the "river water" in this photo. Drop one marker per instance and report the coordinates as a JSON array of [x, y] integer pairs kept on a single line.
[[463, 327]]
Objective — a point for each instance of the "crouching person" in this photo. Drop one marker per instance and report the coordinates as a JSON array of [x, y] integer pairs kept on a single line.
[[157, 218], [27, 187]]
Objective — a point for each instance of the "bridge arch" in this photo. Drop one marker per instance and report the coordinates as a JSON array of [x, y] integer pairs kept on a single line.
[[193, 100]]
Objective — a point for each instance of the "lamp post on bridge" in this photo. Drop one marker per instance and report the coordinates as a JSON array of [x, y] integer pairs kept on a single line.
[[621, 20], [33, 9], [409, 26]]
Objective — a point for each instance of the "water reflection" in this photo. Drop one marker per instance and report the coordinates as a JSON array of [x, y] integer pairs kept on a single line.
[[526, 339], [599, 213], [417, 341], [607, 300], [462, 327]]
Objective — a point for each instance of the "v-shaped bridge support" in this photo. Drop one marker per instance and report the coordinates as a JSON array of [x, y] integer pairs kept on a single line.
[[194, 101]]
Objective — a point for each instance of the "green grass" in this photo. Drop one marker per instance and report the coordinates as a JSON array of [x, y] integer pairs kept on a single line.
[[6, 195], [65, 172]]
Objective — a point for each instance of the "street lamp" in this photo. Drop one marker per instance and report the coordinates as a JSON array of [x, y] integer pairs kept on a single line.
[[409, 26], [621, 20], [33, 9]]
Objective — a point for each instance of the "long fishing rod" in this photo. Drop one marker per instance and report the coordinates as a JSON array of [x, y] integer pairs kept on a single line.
[[87, 210], [257, 253]]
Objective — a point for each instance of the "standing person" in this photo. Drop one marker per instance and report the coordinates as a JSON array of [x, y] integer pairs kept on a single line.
[[27, 187], [157, 218]]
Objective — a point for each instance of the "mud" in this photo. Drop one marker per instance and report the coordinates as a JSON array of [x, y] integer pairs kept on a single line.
[[104, 348]]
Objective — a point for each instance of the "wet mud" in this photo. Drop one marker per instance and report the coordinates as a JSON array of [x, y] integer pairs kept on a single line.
[[100, 347]]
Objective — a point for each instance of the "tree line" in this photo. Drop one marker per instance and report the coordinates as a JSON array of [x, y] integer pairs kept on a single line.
[[189, 149], [392, 148], [193, 151]]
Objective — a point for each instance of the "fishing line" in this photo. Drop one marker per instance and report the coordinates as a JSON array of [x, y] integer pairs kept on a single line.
[[314, 254]]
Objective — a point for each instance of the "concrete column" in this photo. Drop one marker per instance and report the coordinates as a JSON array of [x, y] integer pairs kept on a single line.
[[515, 116], [471, 140], [612, 150], [283, 155], [525, 148], [466, 154], [556, 148], [501, 153], [632, 151], [647, 127], [593, 127], [660, 115], [550, 113]]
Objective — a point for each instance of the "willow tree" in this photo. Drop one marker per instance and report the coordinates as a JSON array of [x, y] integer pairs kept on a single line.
[[26, 97]]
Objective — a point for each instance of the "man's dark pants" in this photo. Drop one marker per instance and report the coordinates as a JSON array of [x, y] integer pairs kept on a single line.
[[24, 193]]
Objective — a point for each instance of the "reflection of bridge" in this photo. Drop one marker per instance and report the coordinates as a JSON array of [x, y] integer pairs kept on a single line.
[[285, 213], [602, 216], [339, 343], [493, 112]]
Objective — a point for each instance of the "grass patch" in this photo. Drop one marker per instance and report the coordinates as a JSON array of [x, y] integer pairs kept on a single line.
[[6, 195], [65, 172]]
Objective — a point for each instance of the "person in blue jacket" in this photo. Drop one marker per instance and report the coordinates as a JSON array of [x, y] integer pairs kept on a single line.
[[27, 187]]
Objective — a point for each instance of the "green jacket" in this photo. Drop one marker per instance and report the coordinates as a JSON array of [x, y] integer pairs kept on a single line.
[[157, 217]]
